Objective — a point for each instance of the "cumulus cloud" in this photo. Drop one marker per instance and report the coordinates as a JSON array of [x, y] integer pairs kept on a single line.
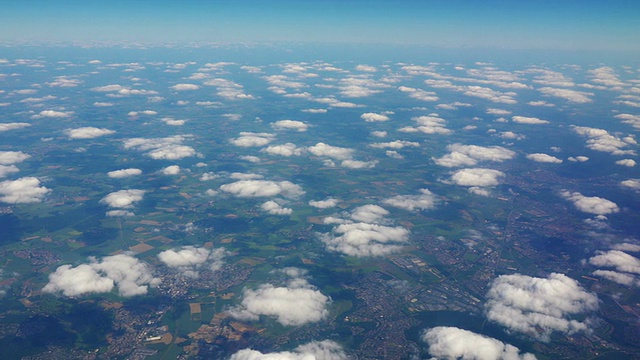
[[357, 164], [578, 158], [52, 114], [123, 173], [454, 343], [13, 126], [469, 155], [631, 183], [87, 132], [364, 239], [315, 350], [397, 144], [22, 191], [543, 158], [576, 97], [618, 260], [590, 204], [539, 306], [171, 170], [334, 152], [295, 304], [249, 139], [419, 94], [290, 125], [126, 273], [633, 120], [273, 208], [262, 188], [528, 120], [324, 204], [119, 213], [169, 148], [369, 213], [6, 170], [373, 117], [188, 260], [431, 124], [288, 149], [423, 201], [12, 157], [626, 162], [183, 87], [477, 177], [602, 140], [123, 198]]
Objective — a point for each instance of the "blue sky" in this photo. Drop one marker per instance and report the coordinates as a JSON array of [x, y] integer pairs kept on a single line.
[[565, 24]]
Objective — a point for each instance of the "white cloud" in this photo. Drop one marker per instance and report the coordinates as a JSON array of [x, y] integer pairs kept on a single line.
[[500, 112], [12, 157], [423, 201], [620, 278], [369, 213], [397, 144], [618, 260], [334, 152], [539, 306], [188, 260], [366, 68], [6, 170], [123, 173], [123, 198], [169, 148], [454, 343], [419, 94], [626, 162], [262, 188], [633, 120], [173, 122], [528, 120], [373, 117], [22, 191], [576, 97], [477, 177], [510, 135], [274, 208], [357, 164], [324, 204], [52, 114], [627, 247], [102, 104], [249, 139], [13, 126], [468, 155], [431, 124], [543, 158], [315, 350], [296, 304], [288, 149], [119, 213], [87, 132], [490, 94], [631, 183], [126, 273], [363, 239], [250, 158], [183, 87], [590, 204], [290, 125], [171, 170], [602, 140], [379, 134]]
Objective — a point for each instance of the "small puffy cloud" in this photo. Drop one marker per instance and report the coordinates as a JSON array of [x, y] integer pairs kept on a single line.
[[626, 162], [249, 139], [6, 170], [578, 158], [273, 208], [102, 104], [602, 140], [123, 198], [500, 112], [510, 135], [173, 122], [631, 183], [490, 94], [250, 158], [171, 170], [419, 94], [126, 273], [619, 260], [315, 350], [52, 114], [209, 176], [539, 306], [12, 157], [627, 247], [379, 134], [590, 204], [13, 126], [262, 188], [576, 97], [468, 155], [183, 87], [477, 177], [119, 213], [369, 213], [288, 149], [633, 120], [22, 191], [528, 120], [87, 132], [431, 124], [363, 239], [334, 152], [296, 304], [290, 125], [169, 148], [188, 260], [617, 277], [397, 144], [373, 117], [324, 204], [366, 68], [543, 158], [453, 343], [123, 173], [357, 164], [423, 201]]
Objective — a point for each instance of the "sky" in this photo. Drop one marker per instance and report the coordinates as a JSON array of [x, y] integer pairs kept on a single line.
[[542, 24]]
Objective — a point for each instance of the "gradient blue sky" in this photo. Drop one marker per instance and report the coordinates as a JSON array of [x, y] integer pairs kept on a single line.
[[558, 24]]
